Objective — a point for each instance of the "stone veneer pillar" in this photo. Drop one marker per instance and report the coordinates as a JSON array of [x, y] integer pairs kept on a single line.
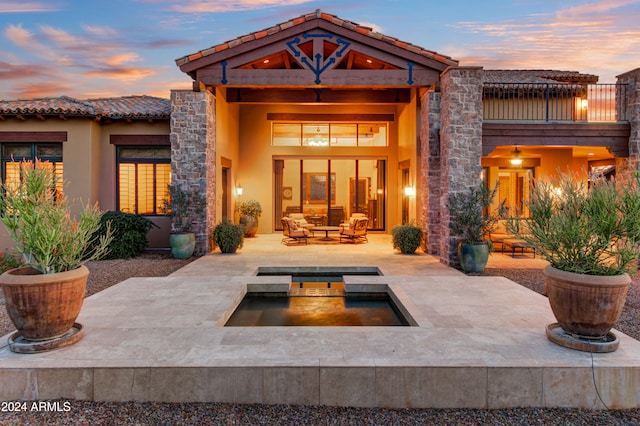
[[632, 104], [193, 155], [460, 144], [430, 168]]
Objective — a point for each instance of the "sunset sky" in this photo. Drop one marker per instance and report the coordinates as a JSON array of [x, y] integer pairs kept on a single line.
[[92, 49]]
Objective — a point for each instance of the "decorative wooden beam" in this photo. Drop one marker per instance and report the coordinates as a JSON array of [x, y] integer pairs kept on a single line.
[[504, 162], [33, 137], [383, 96], [614, 136], [40, 117], [305, 78], [286, 116], [21, 117], [139, 140]]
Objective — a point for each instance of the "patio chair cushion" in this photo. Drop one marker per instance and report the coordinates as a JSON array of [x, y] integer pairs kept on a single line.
[[300, 220]]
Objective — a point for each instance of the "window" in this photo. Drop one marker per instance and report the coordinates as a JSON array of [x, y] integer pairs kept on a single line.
[[14, 154], [333, 134], [144, 173]]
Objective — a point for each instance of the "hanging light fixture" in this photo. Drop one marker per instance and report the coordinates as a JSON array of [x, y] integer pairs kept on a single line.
[[516, 160], [318, 141]]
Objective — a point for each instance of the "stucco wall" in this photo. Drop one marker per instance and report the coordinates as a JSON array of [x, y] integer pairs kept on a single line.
[[408, 150], [227, 146]]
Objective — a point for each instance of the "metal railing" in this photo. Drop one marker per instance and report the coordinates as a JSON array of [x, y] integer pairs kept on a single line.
[[553, 102]]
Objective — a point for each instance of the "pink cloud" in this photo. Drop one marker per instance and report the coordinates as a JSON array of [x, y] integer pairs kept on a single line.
[[41, 89], [211, 6], [26, 7], [599, 38], [122, 73]]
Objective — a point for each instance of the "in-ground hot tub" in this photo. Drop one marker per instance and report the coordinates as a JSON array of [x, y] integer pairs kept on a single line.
[[366, 305]]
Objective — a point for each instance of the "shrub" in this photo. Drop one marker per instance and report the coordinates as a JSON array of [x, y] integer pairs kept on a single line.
[[228, 236], [184, 207], [468, 210], [129, 234], [407, 237], [9, 261], [249, 208], [38, 219], [586, 227]]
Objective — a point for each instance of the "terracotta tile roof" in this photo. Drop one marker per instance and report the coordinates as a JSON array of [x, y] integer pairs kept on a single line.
[[132, 107], [318, 14], [126, 107], [538, 76]]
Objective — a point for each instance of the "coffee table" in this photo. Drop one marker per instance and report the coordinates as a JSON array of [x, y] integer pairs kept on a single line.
[[326, 230]]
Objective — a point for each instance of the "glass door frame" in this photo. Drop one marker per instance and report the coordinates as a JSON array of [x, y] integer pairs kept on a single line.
[[379, 224]]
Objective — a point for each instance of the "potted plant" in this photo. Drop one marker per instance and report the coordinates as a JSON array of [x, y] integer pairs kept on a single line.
[[407, 237], [44, 297], [249, 212], [184, 207], [589, 232], [228, 236], [471, 222]]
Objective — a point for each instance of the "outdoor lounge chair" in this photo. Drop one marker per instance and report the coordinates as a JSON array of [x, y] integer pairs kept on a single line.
[[292, 233], [355, 230], [301, 221]]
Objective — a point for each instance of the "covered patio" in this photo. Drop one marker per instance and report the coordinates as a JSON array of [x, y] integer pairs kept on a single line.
[[479, 342]]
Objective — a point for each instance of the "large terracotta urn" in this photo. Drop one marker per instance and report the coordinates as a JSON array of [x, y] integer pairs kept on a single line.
[[250, 224], [586, 306], [43, 306]]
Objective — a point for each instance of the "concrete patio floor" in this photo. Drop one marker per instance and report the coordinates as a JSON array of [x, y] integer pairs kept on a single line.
[[480, 342]]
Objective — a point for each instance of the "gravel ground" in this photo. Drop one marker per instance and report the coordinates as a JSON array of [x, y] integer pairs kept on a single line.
[[107, 273]]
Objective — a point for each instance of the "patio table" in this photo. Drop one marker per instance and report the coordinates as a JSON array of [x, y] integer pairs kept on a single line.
[[326, 230], [518, 244]]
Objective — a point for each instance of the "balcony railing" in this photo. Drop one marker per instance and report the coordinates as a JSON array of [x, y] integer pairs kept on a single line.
[[553, 102]]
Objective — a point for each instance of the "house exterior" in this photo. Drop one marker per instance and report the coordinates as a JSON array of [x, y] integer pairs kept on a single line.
[[326, 117], [107, 150]]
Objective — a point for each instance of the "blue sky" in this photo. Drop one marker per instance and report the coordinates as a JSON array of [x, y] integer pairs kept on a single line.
[[91, 48]]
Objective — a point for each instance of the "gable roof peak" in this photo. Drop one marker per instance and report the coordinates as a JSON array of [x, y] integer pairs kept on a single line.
[[318, 14]]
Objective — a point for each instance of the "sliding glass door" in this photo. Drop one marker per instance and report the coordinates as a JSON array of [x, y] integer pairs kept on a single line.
[[329, 190]]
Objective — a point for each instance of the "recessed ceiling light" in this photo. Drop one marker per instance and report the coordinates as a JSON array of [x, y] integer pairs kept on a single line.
[[369, 61], [266, 61]]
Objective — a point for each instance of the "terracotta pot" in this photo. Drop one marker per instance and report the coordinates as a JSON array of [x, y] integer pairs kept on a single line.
[[250, 224], [587, 306], [182, 244], [473, 257], [43, 306]]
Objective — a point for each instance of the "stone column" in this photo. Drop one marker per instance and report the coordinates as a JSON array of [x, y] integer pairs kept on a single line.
[[630, 105], [430, 168], [460, 144], [193, 154]]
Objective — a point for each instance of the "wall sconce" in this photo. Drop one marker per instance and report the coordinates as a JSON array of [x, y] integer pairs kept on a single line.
[[515, 160], [584, 103], [239, 190], [409, 191]]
